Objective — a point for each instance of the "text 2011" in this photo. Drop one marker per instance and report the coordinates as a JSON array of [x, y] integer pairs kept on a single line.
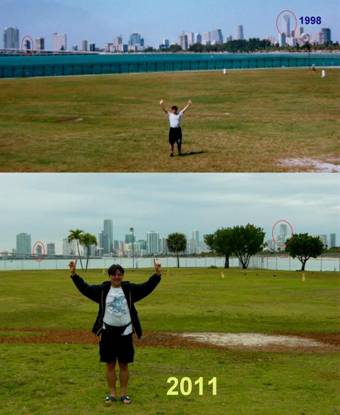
[[185, 386]]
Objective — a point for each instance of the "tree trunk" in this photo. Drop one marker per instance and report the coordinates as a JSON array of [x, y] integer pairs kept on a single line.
[[303, 266], [226, 263], [177, 261], [81, 262], [87, 257]]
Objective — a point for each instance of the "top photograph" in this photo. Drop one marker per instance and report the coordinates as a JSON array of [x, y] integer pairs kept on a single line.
[[194, 86]]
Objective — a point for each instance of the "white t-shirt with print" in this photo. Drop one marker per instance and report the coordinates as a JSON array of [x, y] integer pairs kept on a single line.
[[175, 119], [117, 311]]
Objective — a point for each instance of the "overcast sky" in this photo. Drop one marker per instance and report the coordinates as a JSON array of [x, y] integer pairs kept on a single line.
[[48, 205], [101, 20]]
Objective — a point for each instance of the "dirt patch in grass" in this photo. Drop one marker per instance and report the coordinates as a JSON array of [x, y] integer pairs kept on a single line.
[[246, 341], [312, 165]]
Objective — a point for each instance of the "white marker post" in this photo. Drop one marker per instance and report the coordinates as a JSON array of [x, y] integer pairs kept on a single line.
[[323, 74], [224, 72]]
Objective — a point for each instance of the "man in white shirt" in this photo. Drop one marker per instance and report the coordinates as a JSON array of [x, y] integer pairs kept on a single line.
[[116, 321], [175, 133]]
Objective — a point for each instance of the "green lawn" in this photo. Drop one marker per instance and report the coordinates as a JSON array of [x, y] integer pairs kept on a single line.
[[68, 379], [245, 121]]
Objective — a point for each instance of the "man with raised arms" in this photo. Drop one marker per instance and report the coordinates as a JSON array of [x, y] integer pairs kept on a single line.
[[175, 132], [116, 321]]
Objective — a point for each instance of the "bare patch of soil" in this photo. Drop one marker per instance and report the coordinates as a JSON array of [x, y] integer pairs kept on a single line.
[[245, 341]]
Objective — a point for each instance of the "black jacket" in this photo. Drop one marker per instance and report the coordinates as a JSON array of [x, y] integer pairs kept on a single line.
[[133, 294]]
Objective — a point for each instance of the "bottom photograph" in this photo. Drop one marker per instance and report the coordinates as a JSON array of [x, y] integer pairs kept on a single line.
[[170, 294]]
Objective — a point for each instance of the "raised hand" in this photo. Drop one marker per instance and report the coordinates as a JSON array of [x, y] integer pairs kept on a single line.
[[73, 266], [157, 266]]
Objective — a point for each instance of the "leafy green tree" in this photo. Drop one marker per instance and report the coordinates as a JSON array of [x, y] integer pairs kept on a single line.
[[177, 243], [304, 247], [220, 243], [88, 240], [76, 235], [246, 241]]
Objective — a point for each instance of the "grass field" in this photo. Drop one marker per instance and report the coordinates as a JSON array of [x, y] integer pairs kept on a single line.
[[247, 121], [68, 379]]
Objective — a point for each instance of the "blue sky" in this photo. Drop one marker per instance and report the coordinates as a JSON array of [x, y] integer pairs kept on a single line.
[[101, 20], [48, 205]]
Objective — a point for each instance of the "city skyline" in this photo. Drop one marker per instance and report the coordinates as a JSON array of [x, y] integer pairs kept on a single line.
[[80, 20], [48, 206]]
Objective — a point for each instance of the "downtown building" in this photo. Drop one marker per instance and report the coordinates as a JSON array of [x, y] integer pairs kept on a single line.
[[59, 42], [136, 43], [239, 33], [39, 44], [11, 38], [23, 245], [105, 238]]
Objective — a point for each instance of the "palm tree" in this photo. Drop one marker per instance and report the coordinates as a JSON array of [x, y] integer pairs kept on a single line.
[[76, 235], [88, 240]]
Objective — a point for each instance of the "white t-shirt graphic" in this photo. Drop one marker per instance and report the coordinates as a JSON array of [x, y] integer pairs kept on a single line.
[[175, 119], [117, 311]]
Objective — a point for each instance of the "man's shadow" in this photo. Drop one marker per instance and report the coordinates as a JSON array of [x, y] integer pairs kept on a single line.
[[192, 153]]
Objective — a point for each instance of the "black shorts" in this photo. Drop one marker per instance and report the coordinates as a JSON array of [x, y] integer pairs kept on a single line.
[[175, 136], [113, 347]]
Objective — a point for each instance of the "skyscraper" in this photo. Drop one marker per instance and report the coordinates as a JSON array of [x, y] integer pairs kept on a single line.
[[287, 20], [183, 41], [239, 33], [59, 42], [84, 45], [51, 249], [325, 36], [332, 240], [216, 37], [40, 43], [108, 236], [69, 248], [152, 243], [23, 245], [11, 38]]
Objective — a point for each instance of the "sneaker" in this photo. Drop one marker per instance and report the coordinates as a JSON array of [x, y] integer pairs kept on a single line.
[[109, 399], [126, 400], [172, 155]]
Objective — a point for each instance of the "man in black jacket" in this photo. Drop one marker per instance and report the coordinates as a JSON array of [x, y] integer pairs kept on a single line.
[[116, 321]]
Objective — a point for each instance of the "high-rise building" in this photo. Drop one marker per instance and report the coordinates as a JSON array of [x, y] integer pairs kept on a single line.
[[206, 38], [84, 45], [325, 36], [50, 249], [184, 41], [324, 240], [23, 245], [198, 38], [191, 38], [240, 33], [152, 243], [59, 42], [216, 37], [136, 42], [282, 39], [11, 38], [40, 43], [332, 240], [69, 248], [92, 47], [106, 237], [286, 18], [196, 236]]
